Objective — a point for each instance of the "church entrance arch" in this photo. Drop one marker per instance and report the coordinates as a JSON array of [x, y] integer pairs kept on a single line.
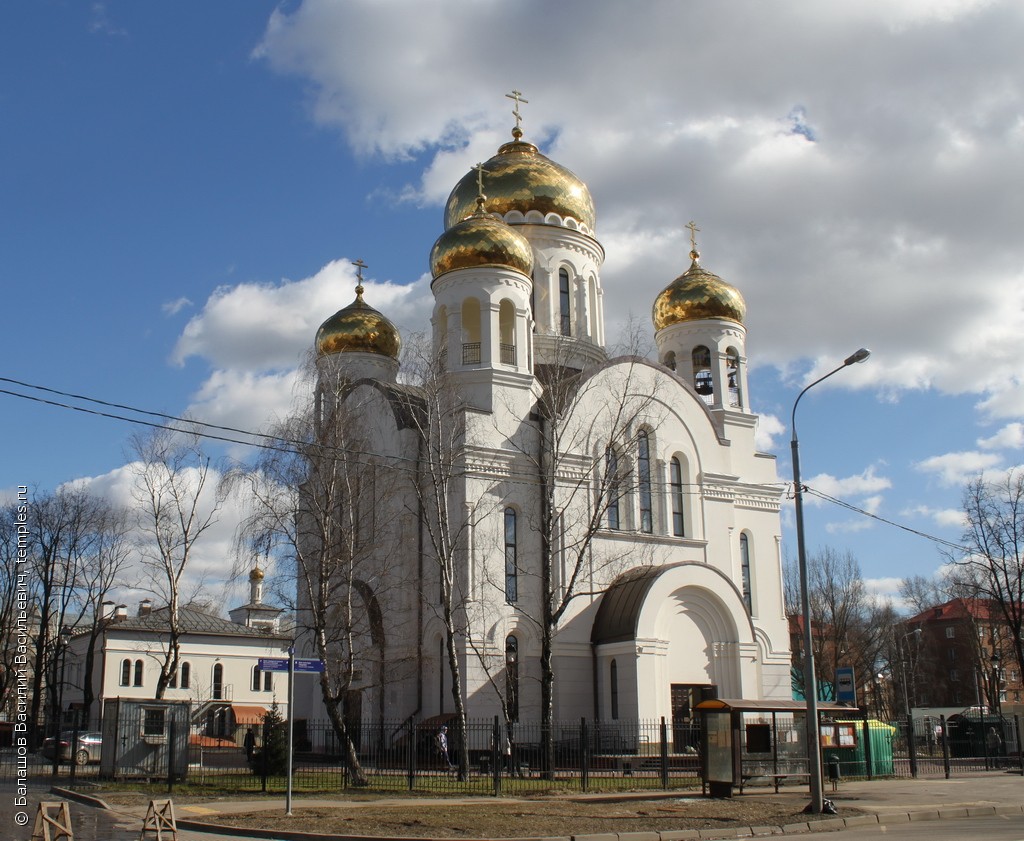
[[681, 628]]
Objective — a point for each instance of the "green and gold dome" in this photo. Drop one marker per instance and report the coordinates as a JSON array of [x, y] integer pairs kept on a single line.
[[520, 178], [695, 295], [481, 240], [358, 328]]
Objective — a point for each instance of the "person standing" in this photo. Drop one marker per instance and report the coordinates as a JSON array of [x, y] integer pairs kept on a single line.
[[442, 745], [249, 743]]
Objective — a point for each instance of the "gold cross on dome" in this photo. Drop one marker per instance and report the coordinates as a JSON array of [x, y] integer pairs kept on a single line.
[[360, 265], [479, 179], [517, 96], [692, 226]]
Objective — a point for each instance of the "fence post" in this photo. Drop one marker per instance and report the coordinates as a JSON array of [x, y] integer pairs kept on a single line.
[[945, 745], [263, 756], [911, 746], [172, 727], [496, 756], [411, 741], [584, 759], [869, 759], [1020, 747], [663, 735]]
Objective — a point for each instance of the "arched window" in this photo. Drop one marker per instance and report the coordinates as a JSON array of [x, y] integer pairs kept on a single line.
[[126, 672], [733, 367], [564, 302], [138, 673], [611, 477], [470, 331], [507, 332], [256, 678], [745, 571], [512, 676], [218, 682], [703, 383], [186, 675], [613, 678], [643, 464], [511, 563], [676, 485], [670, 360]]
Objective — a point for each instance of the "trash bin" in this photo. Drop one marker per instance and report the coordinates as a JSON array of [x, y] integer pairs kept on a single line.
[[833, 770]]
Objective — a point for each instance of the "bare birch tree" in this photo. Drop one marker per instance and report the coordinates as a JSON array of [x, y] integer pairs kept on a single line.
[[994, 536], [177, 500], [322, 511]]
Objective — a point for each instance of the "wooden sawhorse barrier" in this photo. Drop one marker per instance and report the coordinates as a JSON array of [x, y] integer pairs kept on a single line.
[[53, 816], [160, 819]]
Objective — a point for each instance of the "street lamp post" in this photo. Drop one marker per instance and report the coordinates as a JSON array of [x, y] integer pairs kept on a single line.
[[810, 684], [996, 700], [64, 640]]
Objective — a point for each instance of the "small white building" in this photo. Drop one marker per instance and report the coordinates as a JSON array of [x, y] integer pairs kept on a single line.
[[219, 672]]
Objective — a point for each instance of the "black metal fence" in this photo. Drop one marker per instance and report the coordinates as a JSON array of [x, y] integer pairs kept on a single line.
[[491, 758]]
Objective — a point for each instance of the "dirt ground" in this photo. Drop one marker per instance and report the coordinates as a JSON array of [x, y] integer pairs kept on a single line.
[[531, 818]]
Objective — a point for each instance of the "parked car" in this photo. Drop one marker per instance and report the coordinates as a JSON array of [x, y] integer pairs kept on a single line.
[[87, 750]]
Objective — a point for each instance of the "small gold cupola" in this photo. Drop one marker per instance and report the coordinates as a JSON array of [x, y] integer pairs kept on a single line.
[[358, 328], [697, 294]]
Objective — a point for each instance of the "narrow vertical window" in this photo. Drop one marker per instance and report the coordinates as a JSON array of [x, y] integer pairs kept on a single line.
[[138, 673], [255, 678], [126, 672], [643, 463], [511, 565], [733, 367], [218, 682], [563, 302], [268, 681], [676, 482], [613, 678], [186, 674], [512, 677], [745, 571], [612, 488], [703, 382]]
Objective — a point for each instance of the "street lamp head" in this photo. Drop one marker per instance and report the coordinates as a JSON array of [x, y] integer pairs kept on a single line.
[[857, 356]]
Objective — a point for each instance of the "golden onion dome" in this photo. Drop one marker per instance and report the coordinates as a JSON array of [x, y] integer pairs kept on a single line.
[[520, 178], [481, 240], [695, 295], [358, 328], [256, 574]]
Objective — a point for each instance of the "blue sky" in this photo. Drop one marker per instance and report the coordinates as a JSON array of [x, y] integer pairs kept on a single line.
[[183, 187]]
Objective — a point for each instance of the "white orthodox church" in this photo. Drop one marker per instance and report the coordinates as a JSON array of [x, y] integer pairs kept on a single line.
[[626, 492]]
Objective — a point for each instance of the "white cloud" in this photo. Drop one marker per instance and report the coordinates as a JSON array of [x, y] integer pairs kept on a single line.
[[769, 428], [859, 216], [214, 551], [945, 517], [957, 468], [1010, 436], [864, 486], [174, 307]]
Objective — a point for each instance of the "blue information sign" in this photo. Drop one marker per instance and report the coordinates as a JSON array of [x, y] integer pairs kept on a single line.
[[308, 665], [273, 664], [846, 688]]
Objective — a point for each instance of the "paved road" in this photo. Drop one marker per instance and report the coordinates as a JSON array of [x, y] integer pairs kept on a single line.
[[979, 829]]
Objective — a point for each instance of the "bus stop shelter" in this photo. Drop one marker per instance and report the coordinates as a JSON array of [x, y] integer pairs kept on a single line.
[[745, 739]]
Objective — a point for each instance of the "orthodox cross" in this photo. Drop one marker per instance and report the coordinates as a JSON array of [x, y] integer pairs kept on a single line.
[[692, 226], [479, 179], [517, 96], [360, 265]]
